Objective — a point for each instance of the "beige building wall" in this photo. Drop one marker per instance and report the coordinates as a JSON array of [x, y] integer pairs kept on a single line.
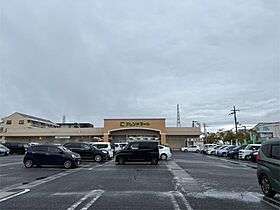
[[113, 125]]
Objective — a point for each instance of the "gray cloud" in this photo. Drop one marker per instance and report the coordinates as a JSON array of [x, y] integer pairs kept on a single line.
[[93, 60]]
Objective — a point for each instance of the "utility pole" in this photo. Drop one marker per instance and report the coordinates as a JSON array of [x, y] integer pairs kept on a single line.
[[205, 133], [178, 116], [63, 119], [233, 111]]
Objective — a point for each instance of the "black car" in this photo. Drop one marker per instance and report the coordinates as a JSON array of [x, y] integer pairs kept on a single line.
[[139, 151], [50, 155], [19, 148], [4, 150], [253, 156], [233, 154], [88, 151]]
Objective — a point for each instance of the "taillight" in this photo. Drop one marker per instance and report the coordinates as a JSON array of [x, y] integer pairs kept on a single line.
[[258, 158]]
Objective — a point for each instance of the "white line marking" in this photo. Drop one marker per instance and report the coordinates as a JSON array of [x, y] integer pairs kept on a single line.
[[75, 205], [174, 202], [9, 164], [187, 204], [262, 200], [99, 193], [14, 195]]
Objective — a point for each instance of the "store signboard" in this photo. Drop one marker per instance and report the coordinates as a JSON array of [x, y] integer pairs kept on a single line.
[[134, 124]]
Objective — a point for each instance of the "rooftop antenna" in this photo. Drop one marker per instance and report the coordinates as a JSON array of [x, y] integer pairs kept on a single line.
[[63, 119], [178, 116]]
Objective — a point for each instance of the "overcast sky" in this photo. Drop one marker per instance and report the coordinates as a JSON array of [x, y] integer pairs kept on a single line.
[[92, 60]]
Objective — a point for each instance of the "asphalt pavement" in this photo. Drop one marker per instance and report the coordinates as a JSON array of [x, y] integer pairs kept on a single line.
[[187, 181]]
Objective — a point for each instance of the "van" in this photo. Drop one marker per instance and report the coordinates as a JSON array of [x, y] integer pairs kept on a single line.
[[19, 148], [268, 167], [139, 151]]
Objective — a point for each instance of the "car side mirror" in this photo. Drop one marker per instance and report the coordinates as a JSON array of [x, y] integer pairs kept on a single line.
[[61, 152]]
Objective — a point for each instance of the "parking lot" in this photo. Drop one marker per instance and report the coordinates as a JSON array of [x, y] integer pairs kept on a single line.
[[187, 181]]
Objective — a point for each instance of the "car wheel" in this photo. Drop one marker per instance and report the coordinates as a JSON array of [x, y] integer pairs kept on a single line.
[[185, 150], [28, 163], [98, 158], [67, 164], [121, 161], [163, 157], [235, 156], [224, 154], [266, 187], [246, 157], [154, 161], [197, 151]]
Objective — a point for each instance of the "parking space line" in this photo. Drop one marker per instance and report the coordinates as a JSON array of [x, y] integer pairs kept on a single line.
[[14, 195], [9, 164], [267, 202], [89, 204], [174, 202], [95, 193]]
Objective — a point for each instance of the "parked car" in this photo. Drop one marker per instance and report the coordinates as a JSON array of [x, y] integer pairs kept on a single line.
[[253, 156], [220, 148], [19, 148], [107, 146], [4, 150], [205, 147], [50, 155], [244, 153], [139, 151], [233, 154], [117, 147], [191, 148], [224, 152], [268, 167], [88, 151], [164, 152], [212, 150]]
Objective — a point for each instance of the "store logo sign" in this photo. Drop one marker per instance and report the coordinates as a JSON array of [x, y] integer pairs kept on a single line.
[[134, 124]]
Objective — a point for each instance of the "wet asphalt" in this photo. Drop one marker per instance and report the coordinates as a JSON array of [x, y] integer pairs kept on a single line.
[[188, 181]]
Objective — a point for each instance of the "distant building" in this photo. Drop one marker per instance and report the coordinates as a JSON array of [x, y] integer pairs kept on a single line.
[[114, 130], [75, 125], [268, 130], [19, 121]]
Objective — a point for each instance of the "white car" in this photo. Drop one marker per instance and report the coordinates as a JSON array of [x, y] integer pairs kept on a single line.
[[119, 146], [164, 152], [107, 146], [191, 148], [244, 153], [212, 150]]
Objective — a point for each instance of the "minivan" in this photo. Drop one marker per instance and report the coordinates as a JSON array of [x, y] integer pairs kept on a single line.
[[15, 147], [139, 151], [268, 167], [88, 151]]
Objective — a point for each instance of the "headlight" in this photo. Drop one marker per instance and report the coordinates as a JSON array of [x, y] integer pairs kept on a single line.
[[104, 152], [73, 156]]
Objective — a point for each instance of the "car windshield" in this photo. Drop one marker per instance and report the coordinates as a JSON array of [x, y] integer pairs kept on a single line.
[[248, 147], [2, 146], [101, 146], [64, 149]]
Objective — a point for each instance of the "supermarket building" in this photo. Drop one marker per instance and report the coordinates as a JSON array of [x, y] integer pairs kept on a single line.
[[24, 128]]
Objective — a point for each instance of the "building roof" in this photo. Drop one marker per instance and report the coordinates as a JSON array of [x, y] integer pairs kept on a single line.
[[136, 119], [32, 117]]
